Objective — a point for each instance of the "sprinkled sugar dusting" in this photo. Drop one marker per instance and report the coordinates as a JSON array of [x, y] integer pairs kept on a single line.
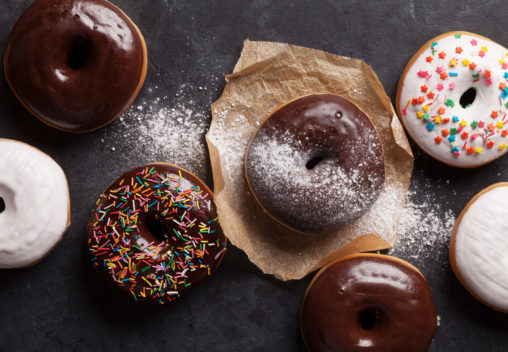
[[156, 233], [329, 192], [165, 130], [425, 227]]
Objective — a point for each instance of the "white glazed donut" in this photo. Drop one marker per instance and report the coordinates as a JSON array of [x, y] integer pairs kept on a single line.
[[34, 204], [479, 247], [453, 99]]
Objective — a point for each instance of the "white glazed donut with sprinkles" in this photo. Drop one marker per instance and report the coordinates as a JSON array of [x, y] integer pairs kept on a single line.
[[453, 99]]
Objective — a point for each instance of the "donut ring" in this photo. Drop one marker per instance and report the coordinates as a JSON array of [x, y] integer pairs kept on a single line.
[[34, 204], [479, 244], [315, 163], [155, 233], [76, 65], [452, 99], [368, 302]]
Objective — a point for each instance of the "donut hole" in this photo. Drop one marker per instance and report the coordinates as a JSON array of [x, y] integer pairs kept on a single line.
[[467, 98], [369, 318], [312, 163], [2, 205], [79, 52], [158, 227]]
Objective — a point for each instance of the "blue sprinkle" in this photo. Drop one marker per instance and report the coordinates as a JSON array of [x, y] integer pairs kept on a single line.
[[433, 44], [504, 95], [152, 204], [453, 74], [451, 138], [455, 119], [137, 178], [506, 75], [430, 126], [455, 149]]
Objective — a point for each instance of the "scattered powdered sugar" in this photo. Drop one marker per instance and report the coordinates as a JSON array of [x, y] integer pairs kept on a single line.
[[425, 227], [164, 130], [323, 195]]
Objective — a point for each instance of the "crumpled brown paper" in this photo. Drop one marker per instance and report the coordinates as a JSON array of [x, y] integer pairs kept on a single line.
[[267, 75]]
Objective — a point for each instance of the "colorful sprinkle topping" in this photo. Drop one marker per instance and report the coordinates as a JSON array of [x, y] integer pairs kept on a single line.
[[155, 233]]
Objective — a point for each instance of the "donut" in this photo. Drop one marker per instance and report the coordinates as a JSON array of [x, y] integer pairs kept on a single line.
[[368, 302], [452, 99], [315, 163], [155, 233], [34, 204], [75, 64], [479, 245]]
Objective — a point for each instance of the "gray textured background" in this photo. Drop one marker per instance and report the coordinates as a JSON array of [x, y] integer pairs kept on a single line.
[[59, 305]]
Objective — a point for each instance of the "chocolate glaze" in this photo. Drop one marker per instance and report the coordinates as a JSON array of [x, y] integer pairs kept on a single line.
[[316, 163], [75, 64], [368, 303], [174, 235]]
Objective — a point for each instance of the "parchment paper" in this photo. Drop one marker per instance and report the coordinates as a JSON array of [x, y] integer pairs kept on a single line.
[[267, 75]]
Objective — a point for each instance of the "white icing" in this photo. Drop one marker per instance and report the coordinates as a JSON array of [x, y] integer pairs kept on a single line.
[[481, 247], [36, 196], [488, 99]]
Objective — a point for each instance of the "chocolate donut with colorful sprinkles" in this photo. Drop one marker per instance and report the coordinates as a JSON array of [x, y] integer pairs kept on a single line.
[[155, 233]]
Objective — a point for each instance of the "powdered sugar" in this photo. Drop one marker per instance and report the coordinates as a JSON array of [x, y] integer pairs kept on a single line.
[[425, 227], [164, 130]]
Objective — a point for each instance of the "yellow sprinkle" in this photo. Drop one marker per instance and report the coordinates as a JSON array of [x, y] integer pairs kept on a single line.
[[419, 114], [425, 108], [484, 49], [453, 62], [499, 124], [179, 173], [465, 62], [437, 119], [148, 282], [502, 146], [463, 123], [501, 61], [478, 150]]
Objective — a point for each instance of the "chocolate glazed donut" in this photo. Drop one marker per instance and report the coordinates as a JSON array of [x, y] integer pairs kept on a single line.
[[75, 64], [368, 302], [315, 163]]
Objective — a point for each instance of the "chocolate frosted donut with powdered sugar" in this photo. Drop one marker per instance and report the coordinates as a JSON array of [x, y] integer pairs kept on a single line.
[[315, 163]]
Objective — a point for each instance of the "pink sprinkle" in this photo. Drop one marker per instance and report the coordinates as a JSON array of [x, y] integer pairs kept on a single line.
[[481, 124], [440, 87], [474, 42], [456, 153], [439, 69], [474, 136], [460, 128], [481, 53], [404, 111], [488, 81], [219, 254], [423, 74], [504, 66], [464, 146], [452, 85]]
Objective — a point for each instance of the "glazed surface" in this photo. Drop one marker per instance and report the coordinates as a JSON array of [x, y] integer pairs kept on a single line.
[[155, 233], [368, 303], [75, 64], [34, 213], [437, 113], [316, 163], [481, 244]]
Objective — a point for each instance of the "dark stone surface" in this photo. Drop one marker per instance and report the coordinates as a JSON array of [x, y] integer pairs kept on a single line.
[[60, 305]]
